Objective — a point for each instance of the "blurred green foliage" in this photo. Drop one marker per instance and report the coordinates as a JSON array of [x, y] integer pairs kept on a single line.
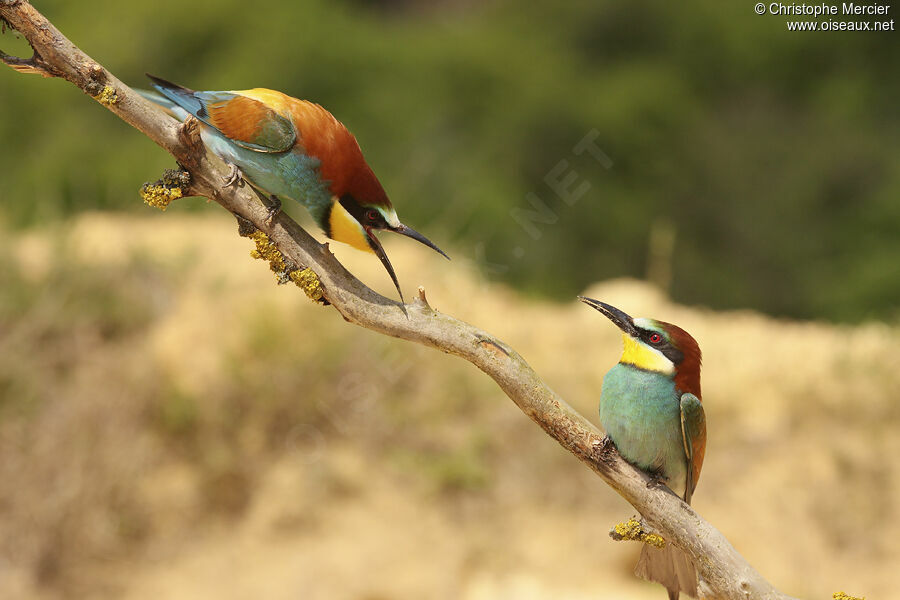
[[773, 155]]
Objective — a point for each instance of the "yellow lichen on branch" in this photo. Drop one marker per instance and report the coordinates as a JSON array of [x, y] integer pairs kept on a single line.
[[267, 250], [633, 531], [846, 596], [305, 279], [309, 282], [159, 196], [107, 97], [171, 187]]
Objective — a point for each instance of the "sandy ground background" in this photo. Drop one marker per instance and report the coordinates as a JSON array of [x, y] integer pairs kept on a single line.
[[174, 425]]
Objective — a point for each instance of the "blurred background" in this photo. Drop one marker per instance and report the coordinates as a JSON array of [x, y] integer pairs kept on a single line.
[[173, 424]]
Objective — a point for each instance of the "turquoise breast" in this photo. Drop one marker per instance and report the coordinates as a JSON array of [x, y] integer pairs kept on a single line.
[[641, 413], [287, 175]]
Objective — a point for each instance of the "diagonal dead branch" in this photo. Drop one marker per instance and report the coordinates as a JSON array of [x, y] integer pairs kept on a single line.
[[724, 571]]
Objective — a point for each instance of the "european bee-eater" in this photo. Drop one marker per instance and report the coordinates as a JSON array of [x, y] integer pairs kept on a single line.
[[650, 408], [290, 148]]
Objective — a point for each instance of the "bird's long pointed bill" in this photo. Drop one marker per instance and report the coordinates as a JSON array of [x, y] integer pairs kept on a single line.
[[621, 319], [412, 233], [379, 251]]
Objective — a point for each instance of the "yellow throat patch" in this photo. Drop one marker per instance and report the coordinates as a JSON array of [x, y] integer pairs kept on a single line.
[[344, 228], [644, 357]]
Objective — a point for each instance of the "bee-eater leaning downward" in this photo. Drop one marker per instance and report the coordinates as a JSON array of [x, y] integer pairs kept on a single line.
[[650, 408], [290, 148]]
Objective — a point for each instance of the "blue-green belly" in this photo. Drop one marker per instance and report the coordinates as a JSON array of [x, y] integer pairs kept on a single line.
[[291, 175], [641, 413]]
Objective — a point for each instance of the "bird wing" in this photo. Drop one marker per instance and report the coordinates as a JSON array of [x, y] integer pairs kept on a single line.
[[248, 122], [693, 433]]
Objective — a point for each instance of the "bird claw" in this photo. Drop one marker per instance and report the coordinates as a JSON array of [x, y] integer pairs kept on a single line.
[[657, 480], [273, 209], [235, 177], [272, 204]]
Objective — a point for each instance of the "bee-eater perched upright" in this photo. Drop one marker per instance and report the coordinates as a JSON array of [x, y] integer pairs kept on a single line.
[[650, 408], [290, 148]]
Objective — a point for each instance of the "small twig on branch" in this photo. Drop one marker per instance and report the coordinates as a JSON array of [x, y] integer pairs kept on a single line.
[[725, 574], [421, 301], [32, 65]]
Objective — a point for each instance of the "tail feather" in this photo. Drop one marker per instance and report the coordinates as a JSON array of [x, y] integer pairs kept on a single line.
[[671, 567], [180, 96], [167, 87], [156, 98]]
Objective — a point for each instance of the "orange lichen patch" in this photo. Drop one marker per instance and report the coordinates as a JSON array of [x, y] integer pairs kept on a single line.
[[846, 596]]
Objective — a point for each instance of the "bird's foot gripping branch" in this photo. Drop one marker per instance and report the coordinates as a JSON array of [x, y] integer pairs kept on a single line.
[[723, 571]]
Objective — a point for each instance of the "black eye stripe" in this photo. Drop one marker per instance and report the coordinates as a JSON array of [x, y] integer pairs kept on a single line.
[[663, 345], [365, 216]]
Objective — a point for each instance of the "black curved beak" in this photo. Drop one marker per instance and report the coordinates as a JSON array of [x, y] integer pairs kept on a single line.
[[379, 251], [622, 320], [412, 233]]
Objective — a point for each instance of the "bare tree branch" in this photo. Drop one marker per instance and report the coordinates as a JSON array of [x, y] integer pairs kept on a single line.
[[725, 574]]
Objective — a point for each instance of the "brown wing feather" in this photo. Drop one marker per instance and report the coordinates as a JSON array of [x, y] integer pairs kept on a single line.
[[699, 451], [687, 379], [247, 120], [239, 118]]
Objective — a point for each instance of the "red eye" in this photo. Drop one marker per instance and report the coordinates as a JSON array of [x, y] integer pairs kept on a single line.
[[372, 215], [655, 338]]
